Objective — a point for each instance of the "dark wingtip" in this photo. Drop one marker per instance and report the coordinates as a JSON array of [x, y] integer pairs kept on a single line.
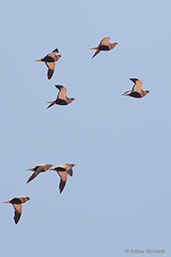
[[58, 86], [56, 50], [133, 80]]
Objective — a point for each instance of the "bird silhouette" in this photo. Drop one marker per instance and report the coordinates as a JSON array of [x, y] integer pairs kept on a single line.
[[17, 204], [37, 169], [50, 60], [103, 46], [137, 91], [62, 98], [63, 170]]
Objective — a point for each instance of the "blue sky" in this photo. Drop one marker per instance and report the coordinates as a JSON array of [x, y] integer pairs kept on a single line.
[[119, 196]]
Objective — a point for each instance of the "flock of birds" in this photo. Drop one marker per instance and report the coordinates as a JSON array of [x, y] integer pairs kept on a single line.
[[65, 169]]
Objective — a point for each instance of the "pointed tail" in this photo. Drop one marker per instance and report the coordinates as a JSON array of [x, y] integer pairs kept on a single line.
[[6, 202], [94, 48], [32, 169], [38, 60], [50, 104]]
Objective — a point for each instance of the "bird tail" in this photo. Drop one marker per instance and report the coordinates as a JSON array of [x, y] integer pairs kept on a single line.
[[50, 104], [32, 169], [38, 60], [94, 48]]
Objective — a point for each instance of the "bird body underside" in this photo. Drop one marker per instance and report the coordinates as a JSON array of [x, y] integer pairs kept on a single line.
[[47, 59], [61, 102], [16, 201], [135, 94], [104, 48]]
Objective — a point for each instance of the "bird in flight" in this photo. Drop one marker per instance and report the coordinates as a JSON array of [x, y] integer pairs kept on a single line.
[[137, 90], [62, 98], [37, 169], [103, 46], [17, 204], [63, 170], [50, 60]]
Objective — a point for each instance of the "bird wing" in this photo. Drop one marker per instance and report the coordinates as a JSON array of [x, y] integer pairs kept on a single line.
[[127, 92], [62, 92], [98, 51], [17, 212], [70, 172], [51, 68], [67, 167], [63, 175], [53, 53], [137, 86], [33, 176], [105, 41]]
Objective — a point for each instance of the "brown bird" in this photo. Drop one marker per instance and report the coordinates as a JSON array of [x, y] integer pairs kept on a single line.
[[104, 46], [50, 60], [63, 170], [137, 90], [62, 98], [17, 204], [37, 169]]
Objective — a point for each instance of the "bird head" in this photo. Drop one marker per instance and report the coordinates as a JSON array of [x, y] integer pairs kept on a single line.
[[146, 92], [71, 99], [113, 45], [27, 198]]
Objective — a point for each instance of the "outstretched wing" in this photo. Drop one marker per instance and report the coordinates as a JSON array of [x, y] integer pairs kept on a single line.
[[51, 68], [70, 171], [53, 53], [137, 86], [33, 176], [62, 92], [98, 51], [63, 175], [105, 41], [17, 212]]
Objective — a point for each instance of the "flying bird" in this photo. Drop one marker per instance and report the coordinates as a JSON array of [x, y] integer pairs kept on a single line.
[[37, 169], [50, 60], [137, 90], [103, 46], [63, 170], [62, 98], [17, 204]]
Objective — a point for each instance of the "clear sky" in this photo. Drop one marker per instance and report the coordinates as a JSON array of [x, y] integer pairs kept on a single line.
[[119, 195]]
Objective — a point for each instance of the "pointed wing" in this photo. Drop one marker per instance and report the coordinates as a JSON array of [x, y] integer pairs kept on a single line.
[[51, 68], [70, 172], [63, 175], [53, 53], [137, 86], [127, 92], [98, 51], [105, 41], [33, 176], [17, 212], [62, 92]]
